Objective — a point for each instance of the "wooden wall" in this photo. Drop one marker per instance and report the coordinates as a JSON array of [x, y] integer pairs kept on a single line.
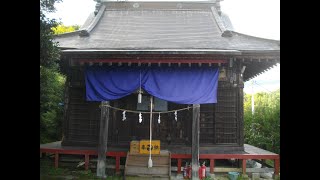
[[220, 124], [81, 118]]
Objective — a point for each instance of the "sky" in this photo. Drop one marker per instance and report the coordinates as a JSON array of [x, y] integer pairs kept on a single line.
[[260, 18]]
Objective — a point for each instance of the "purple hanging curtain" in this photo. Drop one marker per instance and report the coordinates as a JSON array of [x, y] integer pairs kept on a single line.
[[182, 85]]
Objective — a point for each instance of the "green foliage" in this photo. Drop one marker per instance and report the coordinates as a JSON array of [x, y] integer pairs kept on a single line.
[[60, 29], [86, 174], [243, 177], [262, 129], [51, 94], [57, 171], [49, 52], [51, 81], [48, 5]]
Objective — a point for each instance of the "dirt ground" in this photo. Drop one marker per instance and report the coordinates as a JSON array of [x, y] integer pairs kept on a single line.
[[48, 172]]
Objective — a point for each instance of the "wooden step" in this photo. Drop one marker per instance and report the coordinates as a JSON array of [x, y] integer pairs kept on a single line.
[[136, 165], [144, 170], [140, 177], [162, 153], [144, 160], [145, 164]]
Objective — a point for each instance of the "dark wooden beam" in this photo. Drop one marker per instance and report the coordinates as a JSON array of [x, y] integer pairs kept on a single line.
[[155, 61], [103, 140], [240, 116], [195, 141], [239, 106]]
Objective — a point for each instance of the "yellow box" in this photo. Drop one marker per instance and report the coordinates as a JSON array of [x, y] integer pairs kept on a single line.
[[145, 146], [134, 147]]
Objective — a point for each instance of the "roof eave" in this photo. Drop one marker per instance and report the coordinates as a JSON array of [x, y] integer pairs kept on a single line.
[[260, 52], [153, 51]]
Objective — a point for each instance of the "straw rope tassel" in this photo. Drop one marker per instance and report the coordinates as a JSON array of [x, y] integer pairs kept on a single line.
[[150, 160]]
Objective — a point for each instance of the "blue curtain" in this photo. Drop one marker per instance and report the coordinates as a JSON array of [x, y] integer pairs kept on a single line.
[[182, 85]]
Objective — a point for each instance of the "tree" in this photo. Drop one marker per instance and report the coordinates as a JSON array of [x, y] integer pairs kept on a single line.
[[60, 29], [49, 52], [48, 5], [51, 109], [51, 80], [262, 129]]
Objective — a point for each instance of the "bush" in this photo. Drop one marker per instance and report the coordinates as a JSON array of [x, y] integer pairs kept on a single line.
[[262, 129], [51, 109]]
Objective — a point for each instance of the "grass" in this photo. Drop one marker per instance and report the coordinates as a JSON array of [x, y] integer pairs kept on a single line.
[[65, 173], [48, 172]]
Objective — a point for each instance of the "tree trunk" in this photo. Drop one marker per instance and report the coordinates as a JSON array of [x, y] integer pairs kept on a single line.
[[195, 141], [103, 140]]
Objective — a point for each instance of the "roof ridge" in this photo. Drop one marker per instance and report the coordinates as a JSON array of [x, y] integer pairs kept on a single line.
[[156, 1], [86, 31], [67, 33], [218, 20], [274, 40]]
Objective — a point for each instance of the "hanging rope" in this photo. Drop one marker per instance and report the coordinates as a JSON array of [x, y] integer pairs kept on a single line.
[[140, 117], [176, 115], [150, 164], [124, 115], [150, 160], [159, 119], [140, 95], [162, 112]]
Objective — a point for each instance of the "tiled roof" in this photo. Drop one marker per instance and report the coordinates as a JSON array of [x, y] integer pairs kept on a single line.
[[169, 28], [130, 26]]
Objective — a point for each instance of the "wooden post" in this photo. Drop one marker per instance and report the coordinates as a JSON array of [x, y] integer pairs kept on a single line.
[[244, 166], [56, 160], [195, 141], [86, 161], [211, 166], [103, 140], [179, 166], [117, 164], [276, 167], [239, 106]]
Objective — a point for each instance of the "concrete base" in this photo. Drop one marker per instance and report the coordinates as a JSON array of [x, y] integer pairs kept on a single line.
[[245, 176], [255, 176], [179, 176], [212, 176]]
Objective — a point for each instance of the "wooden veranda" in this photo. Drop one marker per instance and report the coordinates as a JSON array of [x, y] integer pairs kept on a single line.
[[250, 152]]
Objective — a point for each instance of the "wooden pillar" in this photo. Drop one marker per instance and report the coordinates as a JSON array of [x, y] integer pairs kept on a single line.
[[195, 141], [240, 105], [276, 167], [179, 166], [86, 161], [117, 164], [211, 166], [103, 140], [56, 160], [244, 166]]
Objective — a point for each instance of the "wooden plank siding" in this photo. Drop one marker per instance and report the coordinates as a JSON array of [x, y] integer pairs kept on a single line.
[[83, 119], [226, 121], [220, 124]]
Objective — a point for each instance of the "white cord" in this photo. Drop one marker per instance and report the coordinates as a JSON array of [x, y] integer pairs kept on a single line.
[[140, 82], [150, 160]]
